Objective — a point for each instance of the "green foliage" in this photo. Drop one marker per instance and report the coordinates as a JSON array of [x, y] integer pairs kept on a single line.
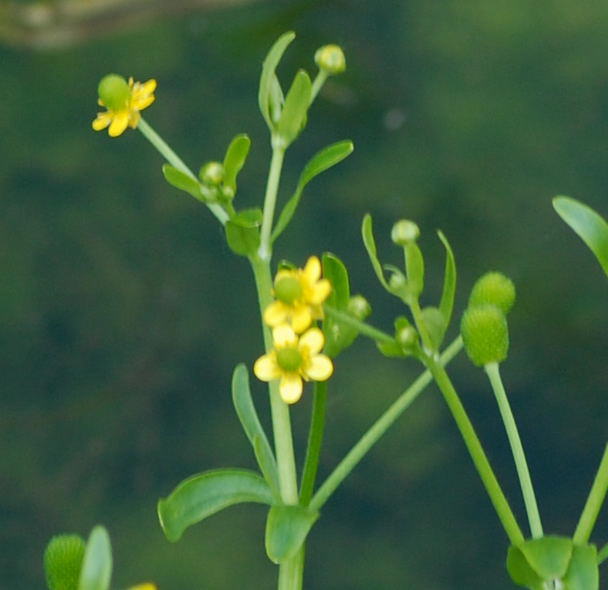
[[204, 494], [321, 161], [243, 404], [183, 182], [448, 293], [234, 160], [293, 115], [96, 572], [286, 530], [62, 562], [591, 227], [242, 231]]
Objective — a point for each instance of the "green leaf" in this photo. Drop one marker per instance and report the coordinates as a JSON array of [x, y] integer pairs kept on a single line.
[[583, 569], [243, 404], [321, 161], [96, 571], [591, 227], [286, 530], [234, 160], [414, 264], [435, 325], [202, 495], [297, 101], [391, 349], [548, 556], [242, 231], [183, 182], [521, 572], [446, 305], [370, 245], [268, 80]]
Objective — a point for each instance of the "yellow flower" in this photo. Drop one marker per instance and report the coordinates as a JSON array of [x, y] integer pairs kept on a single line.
[[123, 102], [300, 294], [293, 359], [146, 586]]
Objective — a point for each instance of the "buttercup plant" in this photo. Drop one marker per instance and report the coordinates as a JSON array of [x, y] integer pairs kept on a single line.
[[308, 317]]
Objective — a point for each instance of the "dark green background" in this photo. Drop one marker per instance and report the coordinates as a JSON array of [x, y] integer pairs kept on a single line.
[[123, 313]]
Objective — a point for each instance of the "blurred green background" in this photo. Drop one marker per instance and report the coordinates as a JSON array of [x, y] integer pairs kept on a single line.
[[123, 313]]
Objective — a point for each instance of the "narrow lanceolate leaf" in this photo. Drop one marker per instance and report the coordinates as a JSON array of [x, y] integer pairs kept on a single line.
[[96, 571], [268, 79], [297, 101], [243, 404], [446, 305], [591, 227], [202, 495], [286, 530], [369, 242], [234, 160], [321, 161], [183, 181]]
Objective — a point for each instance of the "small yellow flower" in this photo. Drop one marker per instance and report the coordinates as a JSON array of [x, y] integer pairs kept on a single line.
[[299, 296], [146, 586], [293, 359], [123, 102]]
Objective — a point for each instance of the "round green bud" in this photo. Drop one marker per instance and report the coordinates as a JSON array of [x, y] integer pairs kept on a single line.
[[212, 173], [330, 59], [287, 289], [494, 288], [404, 232], [114, 92], [62, 562], [407, 337], [359, 307], [397, 281], [289, 359], [485, 334]]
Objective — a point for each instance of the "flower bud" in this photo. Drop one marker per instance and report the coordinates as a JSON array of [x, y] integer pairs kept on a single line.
[[212, 173], [330, 59], [62, 562], [494, 288], [397, 282], [485, 334], [406, 337], [404, 232], [359, 307], [114, 92]]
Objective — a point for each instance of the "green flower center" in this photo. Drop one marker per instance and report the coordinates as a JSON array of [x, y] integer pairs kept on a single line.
[[288, 289], [289, 359], [114, 92]]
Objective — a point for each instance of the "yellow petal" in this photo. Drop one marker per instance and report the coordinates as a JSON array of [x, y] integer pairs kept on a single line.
[[301, 318], [266, 368], [119, 123], [312, 341], [275, 313], [312, 270], [150, 86], [102, 121], [319, 292], [319, 368], [146, 586], [140, 103], [284, 335], [290, 388]]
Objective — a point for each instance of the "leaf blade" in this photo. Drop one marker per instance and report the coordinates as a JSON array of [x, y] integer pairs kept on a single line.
[[234, 160], [96, 571], [446, 304], [297, 101], [286, 530], [369, 242]]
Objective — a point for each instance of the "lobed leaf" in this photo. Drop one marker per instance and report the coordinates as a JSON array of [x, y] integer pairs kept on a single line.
[[243, 404], [286, 530], [96, 571], [591, 227], [202, 495], [321, 161]]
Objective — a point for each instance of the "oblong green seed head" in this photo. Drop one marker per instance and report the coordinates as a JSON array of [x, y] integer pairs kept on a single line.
[[114, 92], [485, 334], [494, 288]]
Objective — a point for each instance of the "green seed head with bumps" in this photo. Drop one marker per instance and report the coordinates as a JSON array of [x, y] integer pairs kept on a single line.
[[485, 334], [494, 288]]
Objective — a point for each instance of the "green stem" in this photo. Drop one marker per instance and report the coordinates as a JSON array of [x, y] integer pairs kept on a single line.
[[315, 438], [270, 200], [291, 572], [497, 497], [159, 143], [317, 84], [517, 449], [417, 315], [602, 555], [375, 432], [361, 327], [594, 503]]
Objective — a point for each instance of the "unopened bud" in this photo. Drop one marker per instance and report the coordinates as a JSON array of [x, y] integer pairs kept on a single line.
[[359, 307], [494, 288], [212, 173], [485, 334], [405, 232], [330, 59], [114, 92], [407, 337]]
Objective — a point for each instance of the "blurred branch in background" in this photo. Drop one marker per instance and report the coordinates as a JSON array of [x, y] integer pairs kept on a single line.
[[63, 23]]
